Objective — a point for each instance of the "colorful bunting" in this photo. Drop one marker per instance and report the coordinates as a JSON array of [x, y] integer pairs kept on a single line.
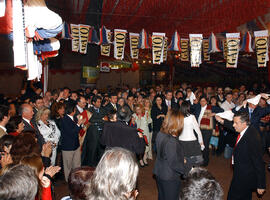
[[104, 35], [246, 43], [143, 43], [66, 33], [213, 44], [175, 43]]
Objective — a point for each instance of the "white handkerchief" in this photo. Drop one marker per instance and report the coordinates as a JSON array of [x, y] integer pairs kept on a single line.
[[226, 115], [254, 100]]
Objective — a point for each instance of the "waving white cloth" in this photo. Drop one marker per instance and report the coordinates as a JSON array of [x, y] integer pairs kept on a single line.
[[226, 115], [254, 100]]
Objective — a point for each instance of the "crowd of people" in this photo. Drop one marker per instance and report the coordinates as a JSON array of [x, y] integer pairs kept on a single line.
[[98, 139]]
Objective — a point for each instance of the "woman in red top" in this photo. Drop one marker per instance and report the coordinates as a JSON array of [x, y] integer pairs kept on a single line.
[[15, 125]]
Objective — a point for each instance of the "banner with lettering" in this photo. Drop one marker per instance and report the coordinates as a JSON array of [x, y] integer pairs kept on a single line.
[[206, 55], [165, 53], [184, 56], [134, 43], [225, 49], [84, 33], [105, 50], [158, 40], [119, 43], [261, 45], [75, 33], [195, 49], [233, 42]]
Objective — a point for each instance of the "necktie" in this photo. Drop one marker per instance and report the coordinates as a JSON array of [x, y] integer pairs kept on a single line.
[[32, 125], [238, 137], [250, 112]]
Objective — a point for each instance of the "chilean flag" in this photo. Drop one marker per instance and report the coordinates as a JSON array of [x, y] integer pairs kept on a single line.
[[213, 44], [66, 33], [175, 43], [104, 35], [92, 37], [246, 43], [143, 42]]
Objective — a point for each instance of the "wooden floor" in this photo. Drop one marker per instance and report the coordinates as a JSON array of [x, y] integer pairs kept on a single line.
[[218, 166]]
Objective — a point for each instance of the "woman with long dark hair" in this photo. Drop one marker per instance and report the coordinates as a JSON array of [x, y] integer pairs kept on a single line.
[[192, 144], [158, 112]]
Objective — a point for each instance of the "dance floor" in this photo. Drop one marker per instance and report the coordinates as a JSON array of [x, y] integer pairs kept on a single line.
[[218, 166]]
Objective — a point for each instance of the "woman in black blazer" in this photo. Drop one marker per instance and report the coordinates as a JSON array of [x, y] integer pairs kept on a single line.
[[170, 163], [158, 112]]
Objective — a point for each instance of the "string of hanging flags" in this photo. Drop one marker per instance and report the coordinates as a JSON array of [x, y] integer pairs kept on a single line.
[[194, 49]]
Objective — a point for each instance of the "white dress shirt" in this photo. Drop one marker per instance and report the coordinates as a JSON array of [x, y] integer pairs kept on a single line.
[[168, 103], [4, 128], [227, 106], [79, 109], [201, 114]]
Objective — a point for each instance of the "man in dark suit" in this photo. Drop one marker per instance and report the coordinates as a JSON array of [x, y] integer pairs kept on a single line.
[[117, 133], [255, 113], [70, 139], [169, 101], [112, 105], [92, 148], [27, 115], [249, 169]]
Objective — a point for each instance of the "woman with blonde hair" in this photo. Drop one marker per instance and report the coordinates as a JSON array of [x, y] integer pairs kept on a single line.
[[142, 120], [49, 130], [115, 176], [170, 163]]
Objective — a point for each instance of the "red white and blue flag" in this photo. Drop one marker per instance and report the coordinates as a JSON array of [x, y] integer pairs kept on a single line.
[[213, 44], [66, 33], [175, 43], [92, 37], [104, 36], [246, 43], [143, 43]]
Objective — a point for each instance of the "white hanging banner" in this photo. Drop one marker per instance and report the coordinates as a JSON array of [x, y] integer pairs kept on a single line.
[[165, 53], [105, 49], [119, 43], [158, 40], [84, 33], [19, 39], [206, 54], [184, 56], [75, 33], [261, 45], [195, 49], [134, 43], [233, 42], [2, 8]]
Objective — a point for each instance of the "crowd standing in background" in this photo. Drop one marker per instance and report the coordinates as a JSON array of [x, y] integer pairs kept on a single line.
[[178, 128]]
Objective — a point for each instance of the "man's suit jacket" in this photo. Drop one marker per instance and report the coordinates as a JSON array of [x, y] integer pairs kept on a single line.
[[173, 104], [256, 115], [249, 169], [2, 132], [118, 134], [28, 127], [69, 134], [196, 110]]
